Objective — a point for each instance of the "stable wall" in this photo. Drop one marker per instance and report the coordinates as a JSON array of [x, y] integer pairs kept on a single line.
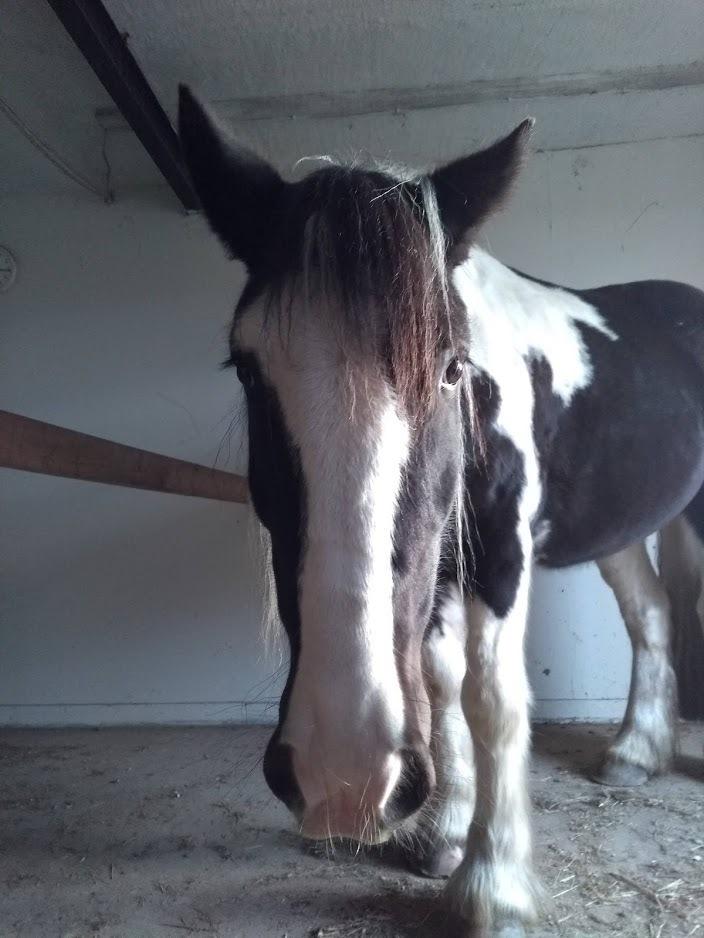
[[120, 606]]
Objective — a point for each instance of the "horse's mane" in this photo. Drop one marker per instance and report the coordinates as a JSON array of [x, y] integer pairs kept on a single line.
[[371, 245]]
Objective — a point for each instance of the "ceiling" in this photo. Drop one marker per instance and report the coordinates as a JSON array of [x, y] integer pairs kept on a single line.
[[408, 79]]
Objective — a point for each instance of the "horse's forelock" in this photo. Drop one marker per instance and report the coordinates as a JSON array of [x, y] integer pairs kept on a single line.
[[371, 245]]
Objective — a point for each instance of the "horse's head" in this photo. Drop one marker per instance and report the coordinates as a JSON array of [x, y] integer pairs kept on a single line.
[[351, 345]]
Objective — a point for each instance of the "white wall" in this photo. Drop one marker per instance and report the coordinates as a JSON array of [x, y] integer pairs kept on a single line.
[[120, 606]]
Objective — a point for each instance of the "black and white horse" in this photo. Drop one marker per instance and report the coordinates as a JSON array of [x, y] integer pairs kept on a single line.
[[424, 423]]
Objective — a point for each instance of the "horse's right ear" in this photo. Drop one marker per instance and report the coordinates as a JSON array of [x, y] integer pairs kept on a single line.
[[470, 189], [241, 194]]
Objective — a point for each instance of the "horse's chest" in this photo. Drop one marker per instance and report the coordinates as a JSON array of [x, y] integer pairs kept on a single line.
[[529, 364]]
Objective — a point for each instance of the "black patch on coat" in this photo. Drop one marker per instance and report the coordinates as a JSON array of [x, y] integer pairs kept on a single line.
[[494, 484], [547, 411]]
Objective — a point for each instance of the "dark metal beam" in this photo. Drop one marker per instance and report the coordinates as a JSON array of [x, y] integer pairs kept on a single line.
[[90, 26], [35, 446]]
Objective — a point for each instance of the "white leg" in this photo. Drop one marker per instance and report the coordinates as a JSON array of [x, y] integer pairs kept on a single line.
[[442, 828], [646, 741], [493, 888]]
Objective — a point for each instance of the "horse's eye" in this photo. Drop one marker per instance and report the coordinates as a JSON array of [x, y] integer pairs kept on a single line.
[[245, 375], [453, 373]]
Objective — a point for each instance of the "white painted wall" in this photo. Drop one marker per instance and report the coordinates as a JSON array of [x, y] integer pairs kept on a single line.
[[121, 606]]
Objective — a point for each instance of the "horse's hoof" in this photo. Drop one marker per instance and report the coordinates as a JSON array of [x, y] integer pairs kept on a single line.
[[620, 774], [442, 863]]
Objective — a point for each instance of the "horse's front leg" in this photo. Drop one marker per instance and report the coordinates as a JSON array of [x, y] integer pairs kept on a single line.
[[441, 832], [493, 888]]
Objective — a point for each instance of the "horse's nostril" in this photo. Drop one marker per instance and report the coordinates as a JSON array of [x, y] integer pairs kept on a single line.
[[415, 784], [279, 775]]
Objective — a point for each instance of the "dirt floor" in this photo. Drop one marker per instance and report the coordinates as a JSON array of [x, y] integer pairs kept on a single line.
[[172, 832]]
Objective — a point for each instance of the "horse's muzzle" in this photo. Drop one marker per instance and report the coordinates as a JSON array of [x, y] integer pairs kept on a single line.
[[368, 813]]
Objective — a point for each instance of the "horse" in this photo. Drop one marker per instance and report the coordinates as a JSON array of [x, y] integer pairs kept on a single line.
[[424, 425]]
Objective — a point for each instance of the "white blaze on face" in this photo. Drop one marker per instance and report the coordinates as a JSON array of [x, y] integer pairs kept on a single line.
[[345, 714]]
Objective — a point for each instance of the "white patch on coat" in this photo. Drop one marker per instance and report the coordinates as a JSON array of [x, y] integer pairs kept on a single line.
[[346, 713], [537, 320], [647, 736]]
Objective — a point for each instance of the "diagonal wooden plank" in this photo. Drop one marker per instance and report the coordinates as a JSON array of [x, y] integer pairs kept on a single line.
[[35, 446]]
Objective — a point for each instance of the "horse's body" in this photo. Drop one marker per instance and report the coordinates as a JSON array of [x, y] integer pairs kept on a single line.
[[424, 424], [616, 377]]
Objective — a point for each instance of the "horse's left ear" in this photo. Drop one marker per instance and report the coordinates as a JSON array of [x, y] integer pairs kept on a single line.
[[241, 193], [470, 189]]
